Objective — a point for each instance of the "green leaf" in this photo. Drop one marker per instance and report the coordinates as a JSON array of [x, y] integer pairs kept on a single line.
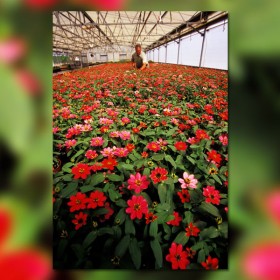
[[85, 189], [97, 179], [179, 160], [114, 195], [209, 208], [135, 252], [217, 179], [181, 238], [147, 172], [153, 229], [191, 159], [171, 160], [100, 211], [122, 246], [223, 229], [77, 154], [169, 181], [114, 177], [162, 190], [210, 232], [155, 245], [199, 245], [105, 230], [67, 177], [127, 166], [201, 256], [69, 190], [158, 157], [138, 163], [78, 250], [163, 207], [120, 217], [61, 248], [66, 168], [89, 239], [129, 226], [121, 203], [188, 217]]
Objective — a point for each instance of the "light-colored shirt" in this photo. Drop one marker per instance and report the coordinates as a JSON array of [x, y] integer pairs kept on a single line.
[[139, 59]]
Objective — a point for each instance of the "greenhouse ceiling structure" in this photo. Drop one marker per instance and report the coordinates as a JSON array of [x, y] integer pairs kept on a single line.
[[162, 34]]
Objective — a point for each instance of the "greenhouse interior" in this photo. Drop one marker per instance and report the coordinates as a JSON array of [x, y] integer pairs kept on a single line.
[[140, 140]]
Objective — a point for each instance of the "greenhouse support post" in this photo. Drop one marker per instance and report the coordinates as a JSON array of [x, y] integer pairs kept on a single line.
[[178, 54], [202, 47]]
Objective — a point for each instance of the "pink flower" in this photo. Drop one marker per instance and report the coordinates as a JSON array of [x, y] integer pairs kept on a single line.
[[272, 204], [192, 140], [56, 129], [137, 182], [224, 139], [262, 261], [212, 195], [11, 50], [114, 134], [124, 135], [86, 127], [107, 152], [137, 207], [96, 141], [125, 120], [70, 143], [105, 121], [121, 152], [188, 181]]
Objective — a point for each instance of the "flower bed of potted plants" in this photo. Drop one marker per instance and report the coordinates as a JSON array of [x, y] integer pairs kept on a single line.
[[142, 182]]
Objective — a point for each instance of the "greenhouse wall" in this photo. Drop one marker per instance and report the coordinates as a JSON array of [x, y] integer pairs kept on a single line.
[[214, 54]]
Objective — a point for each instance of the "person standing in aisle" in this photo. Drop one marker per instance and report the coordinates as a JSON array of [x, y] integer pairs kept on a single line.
[[139, 59]]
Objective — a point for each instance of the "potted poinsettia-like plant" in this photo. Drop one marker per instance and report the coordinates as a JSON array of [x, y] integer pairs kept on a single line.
[[144, 168]]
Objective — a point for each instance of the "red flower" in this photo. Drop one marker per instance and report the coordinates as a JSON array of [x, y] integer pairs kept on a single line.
[[214, 157], [181, 146], [210, 263], [80, 220], [77, 202], [177, 257], [135, 130], [184, 195], [192, 230], [154, 146], [81, 170], [212, 195], [109, 163], [191, 253], [109, 213], [176, 221], [159, 174], [95, 199], [150, 217], [201, 134], [90, 154], [137, 182], [97, 166], [104, 129], [137, 207], [130, 147], [144, 155]]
